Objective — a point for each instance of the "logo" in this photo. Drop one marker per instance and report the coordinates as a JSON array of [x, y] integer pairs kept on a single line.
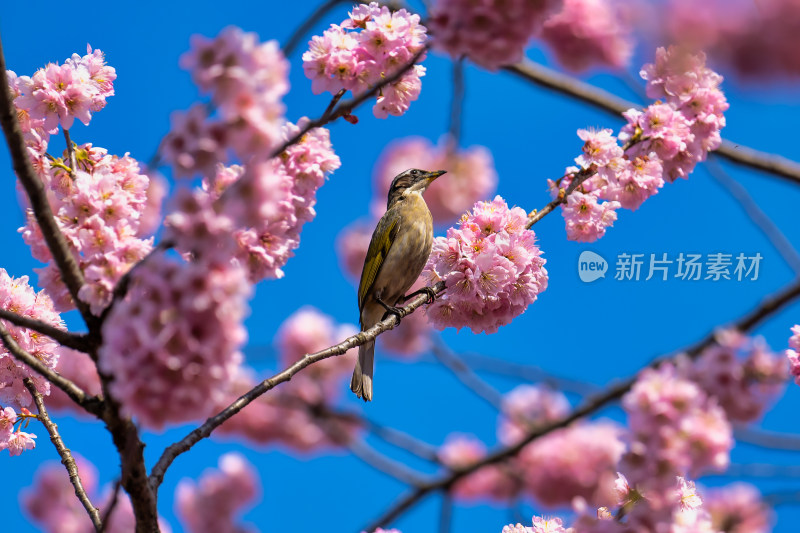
[[591, 266]]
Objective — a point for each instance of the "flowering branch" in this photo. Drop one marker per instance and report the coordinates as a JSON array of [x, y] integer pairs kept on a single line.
[[76, 341], [596, 97], [768, 307], [66, 456], [92, 404], [57, 244], [205, 430]]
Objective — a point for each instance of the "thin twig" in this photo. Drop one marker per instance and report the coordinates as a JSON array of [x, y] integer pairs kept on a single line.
[[772, 440], [297, 36], [466, 376], [384, 464], [73, 162], [751, 208], [402, 440], [446, 513], [769, 306], [92, 404], [64, 453], [76, 341], [605, 101], [111, 505], [185, 444], [457, 102], [759, 470], [577, 179], [34, 188]]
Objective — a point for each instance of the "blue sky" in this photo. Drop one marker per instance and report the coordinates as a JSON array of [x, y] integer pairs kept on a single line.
[[593, 332]]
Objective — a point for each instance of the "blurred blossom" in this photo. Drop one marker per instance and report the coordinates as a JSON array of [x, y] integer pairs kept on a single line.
[[741, 372], [211, 504], [756, 39], [675, 430], [491, 33], [590, 32], [738, 508], [471, 175], [489, 482], [529, 406], [173, 343]]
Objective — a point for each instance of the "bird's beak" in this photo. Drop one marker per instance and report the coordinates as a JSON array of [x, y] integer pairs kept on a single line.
[[433, 175]]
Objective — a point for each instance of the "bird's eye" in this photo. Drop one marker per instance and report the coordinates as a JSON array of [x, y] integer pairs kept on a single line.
[[414, 172]]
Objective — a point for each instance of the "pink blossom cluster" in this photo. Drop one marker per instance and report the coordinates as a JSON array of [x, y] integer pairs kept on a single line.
[[528, 406], [285, 415], [492, 33], [756, 39], [660, 143], [578, 461], [793, 354], [79, 368], [675, 429], [738, 508], [494, 481], [98, 210], [211, 504], [538, 525], [471, 175], [740, 372], [247, 81], [17, 296], [17, 441], [491, 267], [58, 94], [372, 44], [53, 507], [172, 345], [587, 32], [263, 205]]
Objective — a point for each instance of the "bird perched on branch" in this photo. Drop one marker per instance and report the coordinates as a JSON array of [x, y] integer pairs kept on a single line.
[[398, 251]]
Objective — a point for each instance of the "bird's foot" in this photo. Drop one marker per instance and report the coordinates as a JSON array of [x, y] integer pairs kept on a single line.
[[424, 290], [392, 310]]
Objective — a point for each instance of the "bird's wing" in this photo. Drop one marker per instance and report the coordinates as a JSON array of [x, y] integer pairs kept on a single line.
[[382, 240]]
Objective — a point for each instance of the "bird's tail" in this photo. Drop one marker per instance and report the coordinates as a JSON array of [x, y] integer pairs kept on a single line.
[[361, 383]]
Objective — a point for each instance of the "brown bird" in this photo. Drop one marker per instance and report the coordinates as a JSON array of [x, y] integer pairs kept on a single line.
[[398, 251]]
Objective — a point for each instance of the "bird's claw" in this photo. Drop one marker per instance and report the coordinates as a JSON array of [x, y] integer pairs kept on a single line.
[[428, 291]]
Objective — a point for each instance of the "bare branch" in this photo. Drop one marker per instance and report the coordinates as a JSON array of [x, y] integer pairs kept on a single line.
[[769, 306], [92, 404], [457, 103], [768, 439], [66, 456], [446, 514], [466, 376], [111, 505], [751, 208], [34, 188], [297, 36], [384, 464], [185, 444], [66, 338], [605, 101]]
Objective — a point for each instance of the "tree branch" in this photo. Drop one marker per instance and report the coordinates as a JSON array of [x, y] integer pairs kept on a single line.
[[66, 338], [297, 36], [185, 444], [466, 376], [92, 404], [769, 306], [605, 101], [34, 188], [66, 456], [768, 439]]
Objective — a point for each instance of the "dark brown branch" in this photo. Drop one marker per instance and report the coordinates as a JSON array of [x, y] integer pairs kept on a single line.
[[605, 101], [66, 456], [34, 188], [92, 404], [66, 338], [111, 505], [769, 306], [185, 444]]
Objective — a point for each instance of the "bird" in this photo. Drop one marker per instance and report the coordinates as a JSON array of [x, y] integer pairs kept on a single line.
[[397, 253]]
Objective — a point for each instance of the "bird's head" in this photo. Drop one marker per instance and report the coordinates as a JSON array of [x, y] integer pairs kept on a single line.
[[411, 181]]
